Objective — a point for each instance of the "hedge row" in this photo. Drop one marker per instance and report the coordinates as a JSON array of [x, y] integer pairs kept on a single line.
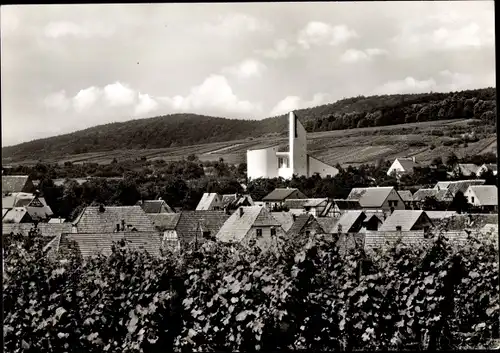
[[313, 296]]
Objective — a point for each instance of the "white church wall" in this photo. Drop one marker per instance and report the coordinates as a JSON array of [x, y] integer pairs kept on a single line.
[[298, 145], [316, 166], [262, 163]]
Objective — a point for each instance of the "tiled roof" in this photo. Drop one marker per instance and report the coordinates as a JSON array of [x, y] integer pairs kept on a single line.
[[92, 244], [206, 201], [165, 221], [13, 183], [9, 201], [468, 169], [91, 220], [329, 224], [440, 214], [405, 195], [4, 211], [349, 218], [376, 239], [421, 194], [370, 197], [228, 199], [235, 200], [236, 227], [155, 206], [285, 219], [190, 221], [279, 194], [299, 224], [301, 203], [487, 195], [46, 229], [492, 166], [406, 219]]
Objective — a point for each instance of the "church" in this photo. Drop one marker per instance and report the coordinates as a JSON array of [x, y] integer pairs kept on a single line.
[[270, 163]]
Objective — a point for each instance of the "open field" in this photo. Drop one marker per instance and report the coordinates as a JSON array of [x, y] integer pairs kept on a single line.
[[346, 147]]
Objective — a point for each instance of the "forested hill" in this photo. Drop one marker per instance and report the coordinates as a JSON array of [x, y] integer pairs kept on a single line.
[[189, 129]]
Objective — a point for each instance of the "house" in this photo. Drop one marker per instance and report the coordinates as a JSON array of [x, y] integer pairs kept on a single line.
[[210, 201], [402, 166], [25, 207], [483, 196], [440, 215], [445, 196], [46, 230], [194, 227], [407, 198], [382, 198], [286, 219], [166, 223], [93, 244], [276, 198], [250, 226], [489, 166], [17, 183], [305, 225], [272, 163], [317, 207], [155, 206], [407, 220], [351, 221], [233, 201], [466, 169], [112, 219], [455, 186]]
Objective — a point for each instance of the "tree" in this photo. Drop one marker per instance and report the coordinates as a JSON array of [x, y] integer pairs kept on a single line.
[[431, 204], [192, 157], [452, 160], [460, 203]]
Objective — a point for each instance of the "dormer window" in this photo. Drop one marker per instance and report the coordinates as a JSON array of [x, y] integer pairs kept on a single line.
[[398, 228]]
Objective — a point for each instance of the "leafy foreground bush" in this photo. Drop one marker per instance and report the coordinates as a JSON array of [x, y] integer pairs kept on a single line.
[[314, 296]]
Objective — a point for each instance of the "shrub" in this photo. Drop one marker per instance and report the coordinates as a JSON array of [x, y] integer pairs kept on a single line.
[[315, 295]]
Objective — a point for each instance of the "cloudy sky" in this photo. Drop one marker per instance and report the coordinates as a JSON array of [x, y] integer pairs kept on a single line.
[[68, 67]]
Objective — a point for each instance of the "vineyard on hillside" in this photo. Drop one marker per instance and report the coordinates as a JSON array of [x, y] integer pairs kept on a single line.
[[313, 295]]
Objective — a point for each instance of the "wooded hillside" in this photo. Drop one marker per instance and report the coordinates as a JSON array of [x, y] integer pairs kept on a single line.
[[184, 129]]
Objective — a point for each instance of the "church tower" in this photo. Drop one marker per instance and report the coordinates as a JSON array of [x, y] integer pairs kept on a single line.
[[297, 146]]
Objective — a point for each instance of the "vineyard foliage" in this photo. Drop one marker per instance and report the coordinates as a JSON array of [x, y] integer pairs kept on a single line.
[[313, 295]]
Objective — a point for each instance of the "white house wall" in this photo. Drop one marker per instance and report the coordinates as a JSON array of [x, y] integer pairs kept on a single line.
[[396, 166], [262, 163]]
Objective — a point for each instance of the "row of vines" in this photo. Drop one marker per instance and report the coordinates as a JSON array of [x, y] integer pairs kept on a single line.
[[314, 296]]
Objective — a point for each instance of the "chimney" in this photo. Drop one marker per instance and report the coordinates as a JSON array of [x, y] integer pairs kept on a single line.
[[241, 211], [123, 224], [413, 159], [117, 227], [101, 208]]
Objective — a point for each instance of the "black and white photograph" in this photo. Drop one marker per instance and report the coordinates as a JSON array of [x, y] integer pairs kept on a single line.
[[249, 176]]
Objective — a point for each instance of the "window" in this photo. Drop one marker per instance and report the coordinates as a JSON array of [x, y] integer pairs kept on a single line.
[[395, 203], [308, 232], [398, 228], [273, 232], [259, 233], [472, 199]]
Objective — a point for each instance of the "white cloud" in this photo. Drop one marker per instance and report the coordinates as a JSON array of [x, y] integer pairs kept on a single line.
[[235, 24], [408, 85], [214, 93], [456, 81], [320, 33], [86, 98], [57, 101], [470, 35], [71, 29], [246, 69], [355, 55], [118, 94], [280, 50], [294, 103], [146, 104]]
